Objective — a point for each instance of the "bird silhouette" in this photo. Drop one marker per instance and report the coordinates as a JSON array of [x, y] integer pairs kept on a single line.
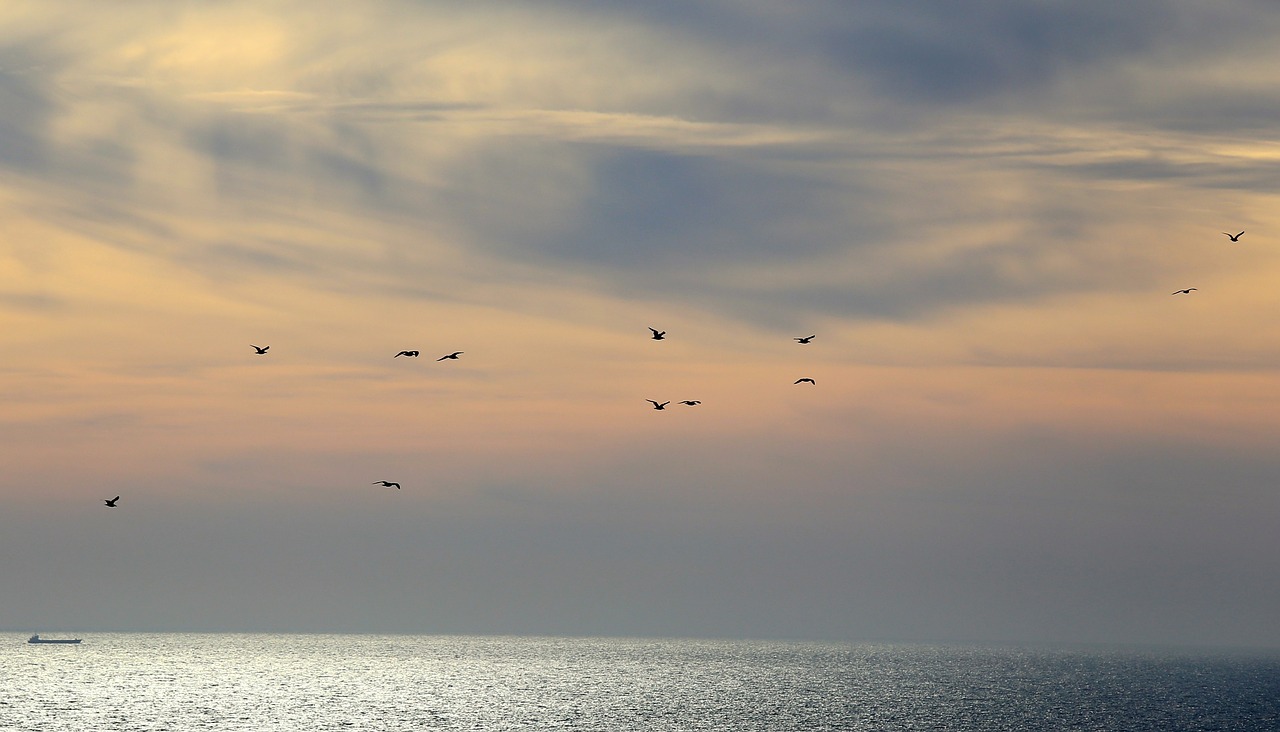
[[111, 502], [260, 349], [658, 334], [691, 402], [1233, 238], [657, 405], [387, 483], [413, 354], [806, 339], [453, 355], [806, 380], [1182, 292]]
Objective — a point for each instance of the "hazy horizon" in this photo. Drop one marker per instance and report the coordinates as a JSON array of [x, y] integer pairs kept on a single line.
[[1017, 432]]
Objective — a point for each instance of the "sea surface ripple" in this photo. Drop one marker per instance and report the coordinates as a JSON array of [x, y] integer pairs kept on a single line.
[[178, 681]]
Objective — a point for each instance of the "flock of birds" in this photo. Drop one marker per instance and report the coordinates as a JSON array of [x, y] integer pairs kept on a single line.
[[659, 335], [1189, 290], [656, 335]]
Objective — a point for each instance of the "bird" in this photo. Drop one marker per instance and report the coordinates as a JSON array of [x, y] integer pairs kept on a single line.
[[658, 334], [1233, 238], [260, 349], [453, 355], [413, 354], [111, 502], [1182, 292], [806, 339], [657, 405], [691, 402], [387, 483], [806, 380]]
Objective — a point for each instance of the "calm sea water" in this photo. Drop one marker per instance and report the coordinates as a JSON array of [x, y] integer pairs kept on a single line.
[[137, 681]]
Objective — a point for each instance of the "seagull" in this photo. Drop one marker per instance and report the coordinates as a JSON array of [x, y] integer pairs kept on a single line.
[[1182, 292], [657, 405], [414, 354], [806, 380], [658, 334], [111, 502], [387, 483], [260, 349], [806, 339], [453, 355], [691, 402], [1233, 238]]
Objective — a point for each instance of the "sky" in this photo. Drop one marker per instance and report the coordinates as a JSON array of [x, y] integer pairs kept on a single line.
[[1016, 434]]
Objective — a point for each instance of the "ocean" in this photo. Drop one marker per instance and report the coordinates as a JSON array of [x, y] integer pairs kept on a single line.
[[258, 682]]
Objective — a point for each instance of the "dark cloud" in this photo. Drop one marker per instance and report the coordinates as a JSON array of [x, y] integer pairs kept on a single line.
[[932, 52], [31, 99], [985, 55], [655, 211], [648, 213], [251, 150], [937, 51], [26, 107]]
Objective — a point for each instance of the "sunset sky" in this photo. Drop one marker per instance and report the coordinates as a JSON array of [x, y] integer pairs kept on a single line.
[[980, 209]]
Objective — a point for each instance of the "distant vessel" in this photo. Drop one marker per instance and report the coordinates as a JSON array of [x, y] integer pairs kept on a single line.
[[37, 639]]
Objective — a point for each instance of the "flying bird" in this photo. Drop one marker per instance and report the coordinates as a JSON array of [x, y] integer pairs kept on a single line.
[[806, 380], [658, 334], [657, 405], [1182, 292], [260, 349], [111, 502], [453, 355], [691, 402], [1233, 238], [387, 483], [413, 354], [806, 339]]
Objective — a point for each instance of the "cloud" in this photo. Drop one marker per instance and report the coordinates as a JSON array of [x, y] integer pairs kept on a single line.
[[981, 211], [28, 110], [643, 212], [943, 53]]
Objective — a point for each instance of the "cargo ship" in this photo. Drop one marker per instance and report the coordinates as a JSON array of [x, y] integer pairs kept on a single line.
[[37, 639]]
